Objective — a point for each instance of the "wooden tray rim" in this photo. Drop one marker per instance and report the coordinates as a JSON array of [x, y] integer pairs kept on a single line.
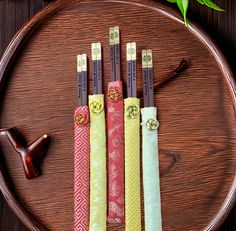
[[39, 18]]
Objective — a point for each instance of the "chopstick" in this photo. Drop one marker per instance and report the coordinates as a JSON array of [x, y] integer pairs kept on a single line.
[[112, 53], [117, 52], [115, 57], [82, 79], [97, 67], [131, 69], [145, 78], [94, 64], [150, 79], [79, 80], [84, 82], [133, 61], [147, 71]]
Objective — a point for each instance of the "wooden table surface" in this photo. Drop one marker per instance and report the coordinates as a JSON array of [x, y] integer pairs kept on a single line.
[[221, 26]]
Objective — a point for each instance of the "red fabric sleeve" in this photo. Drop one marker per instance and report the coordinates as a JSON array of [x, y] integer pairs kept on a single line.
[[115, 127], [81, 169]]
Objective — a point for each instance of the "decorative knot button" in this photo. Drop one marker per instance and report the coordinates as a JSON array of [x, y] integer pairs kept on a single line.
[[114, 94], [81, 118], [132, 111], [96, 107], [152, 124]]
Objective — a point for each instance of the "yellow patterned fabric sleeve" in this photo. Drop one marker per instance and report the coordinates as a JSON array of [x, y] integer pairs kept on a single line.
[[132, 165], [98, 210], [151, 179]]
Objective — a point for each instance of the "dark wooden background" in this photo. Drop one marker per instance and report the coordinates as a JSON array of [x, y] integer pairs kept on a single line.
[[221, 26]]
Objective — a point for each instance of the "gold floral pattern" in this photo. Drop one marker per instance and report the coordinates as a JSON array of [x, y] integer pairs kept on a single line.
[[81, 118], [96, 107], [132, 111], [152, 124], [115, 94]]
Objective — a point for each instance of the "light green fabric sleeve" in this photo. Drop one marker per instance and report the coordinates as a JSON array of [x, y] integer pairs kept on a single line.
[[98, 209], [151, 179]]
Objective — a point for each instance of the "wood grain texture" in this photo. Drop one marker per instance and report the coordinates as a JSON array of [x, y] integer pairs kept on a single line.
[[204, 129], [221, 26]]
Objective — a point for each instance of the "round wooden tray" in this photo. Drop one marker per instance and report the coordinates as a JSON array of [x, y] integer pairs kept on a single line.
[[196, 111]]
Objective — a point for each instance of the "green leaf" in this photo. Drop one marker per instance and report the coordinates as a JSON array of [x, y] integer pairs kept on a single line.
[[201, 2], [183, 6], [212, 5], [172, 1]]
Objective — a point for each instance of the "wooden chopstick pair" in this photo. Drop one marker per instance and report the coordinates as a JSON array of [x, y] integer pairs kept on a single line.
[[98, 175], [150, 162], [131, 69], [97, 68], [132, 145], [115, 55], [82, 80], [147, 73], [82, 74], [81, 149], [96, 131], [115, 127]]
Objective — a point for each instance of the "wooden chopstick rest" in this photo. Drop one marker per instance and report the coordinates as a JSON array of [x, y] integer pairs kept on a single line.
[[29, 154], [167, 78]]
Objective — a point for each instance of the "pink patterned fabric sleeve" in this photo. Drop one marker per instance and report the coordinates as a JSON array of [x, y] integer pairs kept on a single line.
[[81, 169], [115, 126]]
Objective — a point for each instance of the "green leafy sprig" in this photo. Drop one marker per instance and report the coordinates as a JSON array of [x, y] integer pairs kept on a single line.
[[183, 6]]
